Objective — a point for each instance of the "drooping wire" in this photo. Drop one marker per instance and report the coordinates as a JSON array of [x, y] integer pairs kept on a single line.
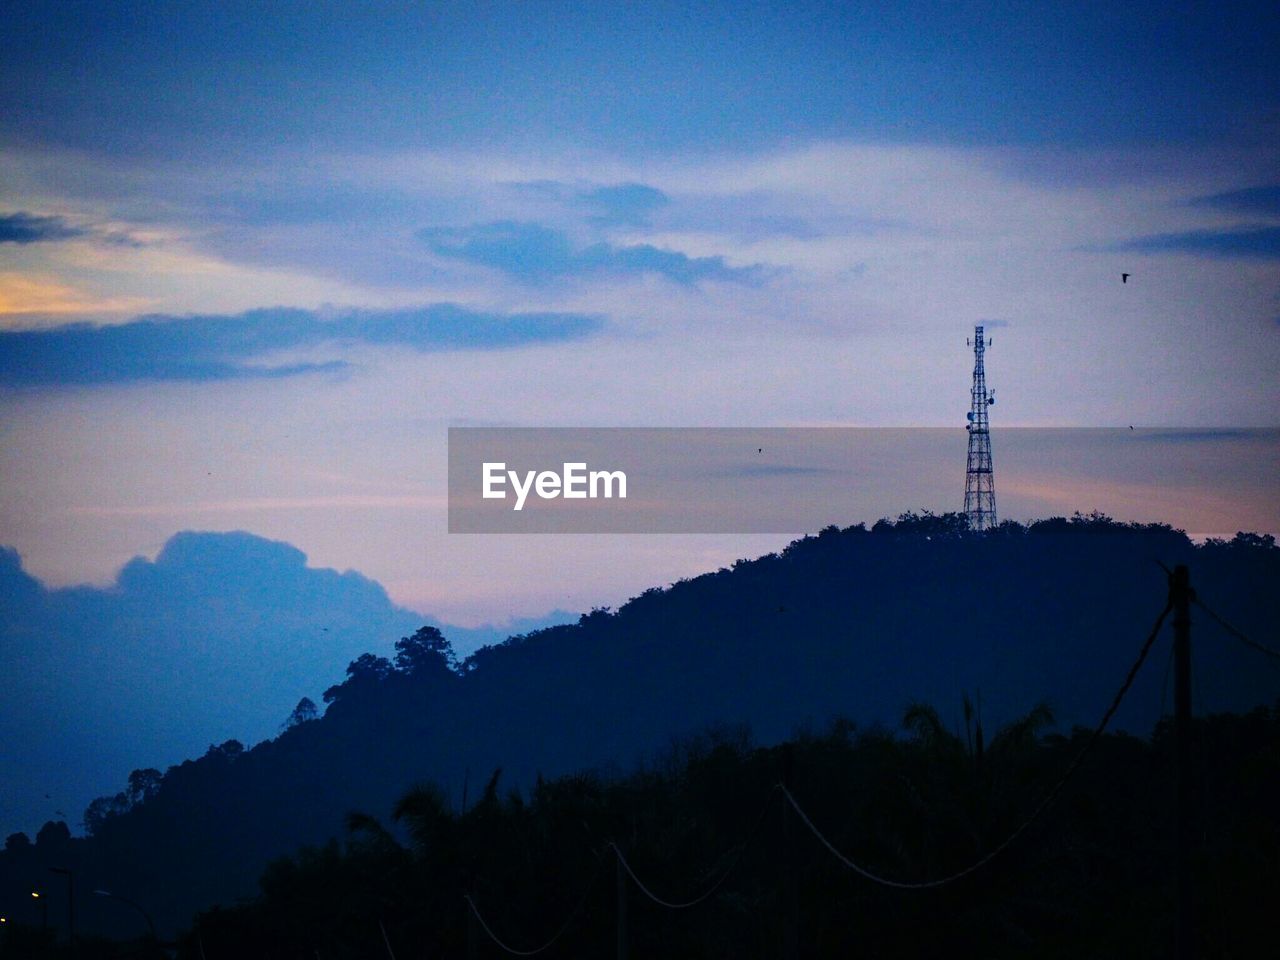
[[706, 894], [564, 927], [386, 940], [1041, 807], [1238, 634]]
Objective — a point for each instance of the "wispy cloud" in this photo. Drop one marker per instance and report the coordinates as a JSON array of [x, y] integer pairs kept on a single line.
[[627, 204], [206, 348], [267, 504], [534, 253], [22, 227], [1264, 199], [31, 296], [624, 204], [1197, 436], [1261, 243], [770, 470]]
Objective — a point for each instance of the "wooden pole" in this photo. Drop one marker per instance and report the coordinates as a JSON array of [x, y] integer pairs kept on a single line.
[[1182, 595]]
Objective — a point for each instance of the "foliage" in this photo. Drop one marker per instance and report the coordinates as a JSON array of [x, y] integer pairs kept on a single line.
[[857, 622], [1094, 878], [304, 712]]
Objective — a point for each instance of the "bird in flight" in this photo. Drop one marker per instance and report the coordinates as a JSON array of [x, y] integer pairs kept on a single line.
[[1124, 278]]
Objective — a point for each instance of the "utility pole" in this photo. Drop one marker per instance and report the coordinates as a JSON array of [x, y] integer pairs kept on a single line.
[[43, 904], [1181, 595], [979, 477]]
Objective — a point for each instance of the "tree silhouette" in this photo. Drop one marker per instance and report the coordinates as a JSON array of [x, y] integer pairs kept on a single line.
[[426, 653], [302, 713], [364, 673], [17, 841], [853, 621], [53, 835]]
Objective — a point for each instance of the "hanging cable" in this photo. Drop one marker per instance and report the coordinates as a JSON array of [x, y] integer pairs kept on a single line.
[[706, 894], [385, 939], [564, 927], [1043, 805], [1239, 635]]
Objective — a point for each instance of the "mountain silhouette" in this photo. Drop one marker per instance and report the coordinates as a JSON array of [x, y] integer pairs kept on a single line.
[[218, 637], [858, 623]]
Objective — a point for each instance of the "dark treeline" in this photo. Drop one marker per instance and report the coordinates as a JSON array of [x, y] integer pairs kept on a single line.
[[856, 622], [1092, 879]]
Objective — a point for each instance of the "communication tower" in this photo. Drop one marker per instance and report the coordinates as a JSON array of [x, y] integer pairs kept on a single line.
[[979, 479]]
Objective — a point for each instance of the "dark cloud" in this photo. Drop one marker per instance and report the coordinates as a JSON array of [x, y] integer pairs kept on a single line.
[[1245, 243], [617, 204], [22, 227], [534, 253], [624, 204], [1197, 436], [259, 629], [1264, 199], [204, 348]]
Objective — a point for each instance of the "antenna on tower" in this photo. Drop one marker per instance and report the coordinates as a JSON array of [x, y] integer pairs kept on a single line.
[[979, 478]]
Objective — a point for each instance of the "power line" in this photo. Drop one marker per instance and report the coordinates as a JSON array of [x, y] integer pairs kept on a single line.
[[1048, 798], [385, 939], [1238, 634], [706, 894], [564, 927]]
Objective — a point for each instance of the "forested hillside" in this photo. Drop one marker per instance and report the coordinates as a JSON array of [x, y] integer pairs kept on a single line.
[[857, 623]]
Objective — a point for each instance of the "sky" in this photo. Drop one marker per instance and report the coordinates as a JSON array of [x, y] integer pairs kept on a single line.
[[255, 261], [253, 266]]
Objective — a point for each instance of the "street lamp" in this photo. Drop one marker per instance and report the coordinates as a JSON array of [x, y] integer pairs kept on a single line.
[[44, 910]]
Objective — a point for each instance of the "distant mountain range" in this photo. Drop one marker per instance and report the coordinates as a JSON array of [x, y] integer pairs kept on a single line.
[[218, 637], [857, 623]]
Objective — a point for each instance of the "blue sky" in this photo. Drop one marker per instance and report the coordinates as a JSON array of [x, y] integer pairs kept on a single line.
[[253, 265], [195, 78]]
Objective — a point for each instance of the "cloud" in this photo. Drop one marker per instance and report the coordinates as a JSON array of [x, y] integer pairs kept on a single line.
[[258, 629], [1264, 199], [1196, 436], [534, 253], [617, 204], [771, 470], [1245, 242], [624, 204], [26, 295], [22, 227], [205, 348]]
